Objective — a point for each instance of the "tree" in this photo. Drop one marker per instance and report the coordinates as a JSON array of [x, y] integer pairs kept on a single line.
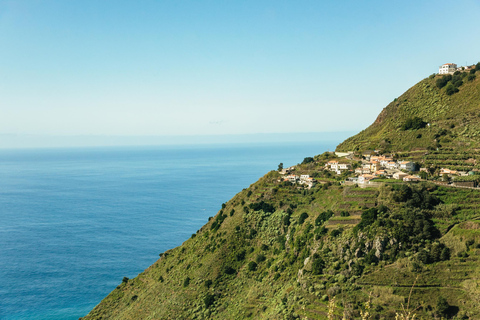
[[442, 82], [209, 300], [423, 175], [414, 123], [307, 160], [442, 306], [280, 166], [317, 264], [252, 266], [302, 218]]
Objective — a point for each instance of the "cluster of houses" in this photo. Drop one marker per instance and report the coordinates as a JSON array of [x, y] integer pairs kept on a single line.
[[303, 179], [372, 167], [450, 68], [376, 167]]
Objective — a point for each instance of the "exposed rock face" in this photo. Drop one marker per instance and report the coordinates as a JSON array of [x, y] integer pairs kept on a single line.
[[306, 261], [378, 245]]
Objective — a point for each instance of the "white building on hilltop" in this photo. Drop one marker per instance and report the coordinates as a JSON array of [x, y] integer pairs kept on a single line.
[[447, 68]]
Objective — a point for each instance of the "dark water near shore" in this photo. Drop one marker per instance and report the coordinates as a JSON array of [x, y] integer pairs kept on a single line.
[[74, 222]]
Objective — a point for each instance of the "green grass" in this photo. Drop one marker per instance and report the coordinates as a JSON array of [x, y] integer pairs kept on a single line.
[[225, 284], [426, 101]]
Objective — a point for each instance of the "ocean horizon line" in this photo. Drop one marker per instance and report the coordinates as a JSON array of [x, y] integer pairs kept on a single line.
[[43, 141]]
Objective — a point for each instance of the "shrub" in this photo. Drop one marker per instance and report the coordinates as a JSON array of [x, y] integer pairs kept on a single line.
[[457, 83], [302, 218], [336, 232], [125, 280], [263, 247], [208, 283], [260, 258], [469, 243], [442, 82], [368, 217], [161, 279], [319, 232], [445, 254], [344, 214], [307, 160], [413, 124], [252, 266], [471, 77], [442, 306], [322, 217], [229, 270], [317, 264], [262, 205], [451, 89], [186, 282], [209, 300]]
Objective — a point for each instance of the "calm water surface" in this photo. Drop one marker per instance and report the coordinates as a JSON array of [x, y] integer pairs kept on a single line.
[[74, 222]]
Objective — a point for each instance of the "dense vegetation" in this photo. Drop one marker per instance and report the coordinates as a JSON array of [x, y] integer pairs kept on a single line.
[[284, 252], [279, 250]]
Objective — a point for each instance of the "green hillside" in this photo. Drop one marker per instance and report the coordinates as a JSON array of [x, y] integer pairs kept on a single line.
[[281, 250], [451, 120]]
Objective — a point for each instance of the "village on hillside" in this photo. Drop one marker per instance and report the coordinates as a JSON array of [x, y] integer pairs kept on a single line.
[[371, 168]]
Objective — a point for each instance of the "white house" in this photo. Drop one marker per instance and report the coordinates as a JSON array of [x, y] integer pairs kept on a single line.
[[337, 167], [384, 162], [399, 175], [445, 171], [344, 166], [447, 68], [332, 164], [292, 178], [304, 177], [365, 178], [310, 182], [391, 165], [411, 178], [407, 165]]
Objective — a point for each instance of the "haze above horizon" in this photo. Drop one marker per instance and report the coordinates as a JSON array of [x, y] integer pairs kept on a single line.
[[211, 68]]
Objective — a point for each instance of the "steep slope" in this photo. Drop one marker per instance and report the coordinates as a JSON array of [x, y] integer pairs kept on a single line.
[[453, 120], [279, 250]]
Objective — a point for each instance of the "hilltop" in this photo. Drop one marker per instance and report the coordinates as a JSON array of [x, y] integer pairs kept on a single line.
[[441, 111], [282, 249]]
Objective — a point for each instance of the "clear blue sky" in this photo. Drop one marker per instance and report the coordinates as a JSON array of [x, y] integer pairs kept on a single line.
[[219, 67]]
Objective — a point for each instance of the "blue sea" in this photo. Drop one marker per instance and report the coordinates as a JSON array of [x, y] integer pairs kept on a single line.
[[74, 222]]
